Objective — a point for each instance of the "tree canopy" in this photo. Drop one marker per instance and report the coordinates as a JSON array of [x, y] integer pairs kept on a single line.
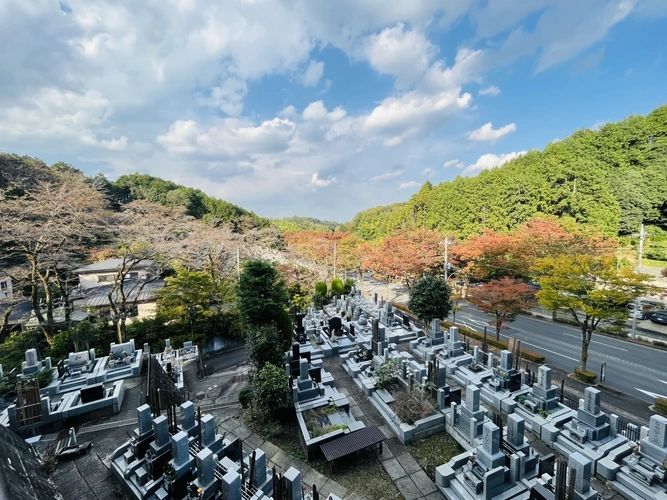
[[262, 293], [612, 178], [430, 298]]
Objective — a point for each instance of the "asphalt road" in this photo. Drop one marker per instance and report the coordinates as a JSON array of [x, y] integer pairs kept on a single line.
[[227, 359], [634, 369]]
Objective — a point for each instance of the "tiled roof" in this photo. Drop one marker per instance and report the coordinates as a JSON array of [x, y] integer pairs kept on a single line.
[[110, 265]]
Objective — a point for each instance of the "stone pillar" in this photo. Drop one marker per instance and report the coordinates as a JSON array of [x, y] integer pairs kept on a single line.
[[506, 360], [472, 398], [452, 413], [515, 430], [205, 467], [161, 430], [144, 419], [260, 468], [592, 400], [472, 431], [489, 361], [180, 452], [303, 369], [31, 357], [207, 430], [453, 333], [613, 425], [582, 465], [293, 484], [230, 486], [544, 377], [187, 416]]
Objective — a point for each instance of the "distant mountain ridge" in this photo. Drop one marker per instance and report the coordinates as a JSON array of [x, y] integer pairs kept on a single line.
[[614, 178], [296, 223]]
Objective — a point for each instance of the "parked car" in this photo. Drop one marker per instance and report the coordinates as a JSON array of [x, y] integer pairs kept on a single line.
[[643, 311], [659, 317]]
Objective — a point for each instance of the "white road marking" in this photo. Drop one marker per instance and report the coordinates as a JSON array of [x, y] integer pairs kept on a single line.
[[540, 348], [651, 394], [578, 337]]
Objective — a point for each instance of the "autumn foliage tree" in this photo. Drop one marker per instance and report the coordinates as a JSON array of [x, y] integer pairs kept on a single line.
[[503, 299], [590, 288], [45, 228]]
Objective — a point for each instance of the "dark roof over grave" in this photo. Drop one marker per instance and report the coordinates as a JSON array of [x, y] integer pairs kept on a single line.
[[352, 442], [20, 473]]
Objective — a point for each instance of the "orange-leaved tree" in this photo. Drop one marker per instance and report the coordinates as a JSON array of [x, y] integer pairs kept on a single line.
[[503, 298]]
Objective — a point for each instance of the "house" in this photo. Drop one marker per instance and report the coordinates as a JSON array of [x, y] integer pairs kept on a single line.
[[139, 295], [6, 290], [105, 273]]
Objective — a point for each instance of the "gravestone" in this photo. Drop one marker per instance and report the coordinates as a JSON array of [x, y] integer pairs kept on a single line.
[[188, 423], [654, 446], [505, 376], [582, 481], [206, 472], [436, 336], [515, 430], [31, 365], [180, 451], [144, 420], [489, 453], [590, 422], [454, 347]]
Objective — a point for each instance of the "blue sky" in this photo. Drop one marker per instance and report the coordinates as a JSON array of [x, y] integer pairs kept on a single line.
[[318, 107]]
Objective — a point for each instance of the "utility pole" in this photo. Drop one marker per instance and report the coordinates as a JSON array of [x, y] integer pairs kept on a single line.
[[335, 249], [642, 236], [446, 257]]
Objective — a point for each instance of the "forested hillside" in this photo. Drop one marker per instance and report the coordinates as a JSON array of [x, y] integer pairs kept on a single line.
[[296, 224], [614, 178]]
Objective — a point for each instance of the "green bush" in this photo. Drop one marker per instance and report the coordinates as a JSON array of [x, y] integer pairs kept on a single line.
[[271, 393], [658, 343], [337, 287], [321, 288], [585, 376], [245, 397], [661, 406], [526, 354], [348, 285]]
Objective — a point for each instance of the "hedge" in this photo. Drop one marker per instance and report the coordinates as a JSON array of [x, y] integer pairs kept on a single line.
[[533, 356], [585, 375], [500, 344], [661, 406]]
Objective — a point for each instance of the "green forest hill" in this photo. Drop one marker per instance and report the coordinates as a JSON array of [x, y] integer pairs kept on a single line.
[[614, 178]]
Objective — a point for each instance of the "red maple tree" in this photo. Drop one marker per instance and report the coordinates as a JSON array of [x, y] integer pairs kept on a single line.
[[503, 298]]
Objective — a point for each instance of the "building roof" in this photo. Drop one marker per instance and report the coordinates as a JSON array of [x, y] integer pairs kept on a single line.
[[99, 297], [20, 473], [111, 265], [58, 317]]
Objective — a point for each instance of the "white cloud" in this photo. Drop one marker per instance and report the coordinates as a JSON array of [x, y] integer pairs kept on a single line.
[[115, 144], [453, 163], [402, 53], [319, 183], [492, 91], [227, 138], [316, 111], [287, 112], [489, 161], [408, 185], [228, 97], [388, 175], [487, 133], [413, 113], [428, 172], [313, 73]]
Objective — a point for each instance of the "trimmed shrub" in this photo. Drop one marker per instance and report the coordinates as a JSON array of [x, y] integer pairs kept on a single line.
[[348, 285], [526, 354], [661, 406], [337, 287], [321, 288], [585, 376]]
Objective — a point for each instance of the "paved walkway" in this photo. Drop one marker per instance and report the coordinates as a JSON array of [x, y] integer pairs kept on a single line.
[[406, 474], [282, 460]]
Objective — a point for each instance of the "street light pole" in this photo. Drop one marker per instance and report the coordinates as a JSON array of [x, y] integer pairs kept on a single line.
[[446, 257], [642, 235]]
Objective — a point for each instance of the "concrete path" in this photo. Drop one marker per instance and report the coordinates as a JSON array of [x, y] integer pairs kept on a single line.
[[282, 460], [406, 474]]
